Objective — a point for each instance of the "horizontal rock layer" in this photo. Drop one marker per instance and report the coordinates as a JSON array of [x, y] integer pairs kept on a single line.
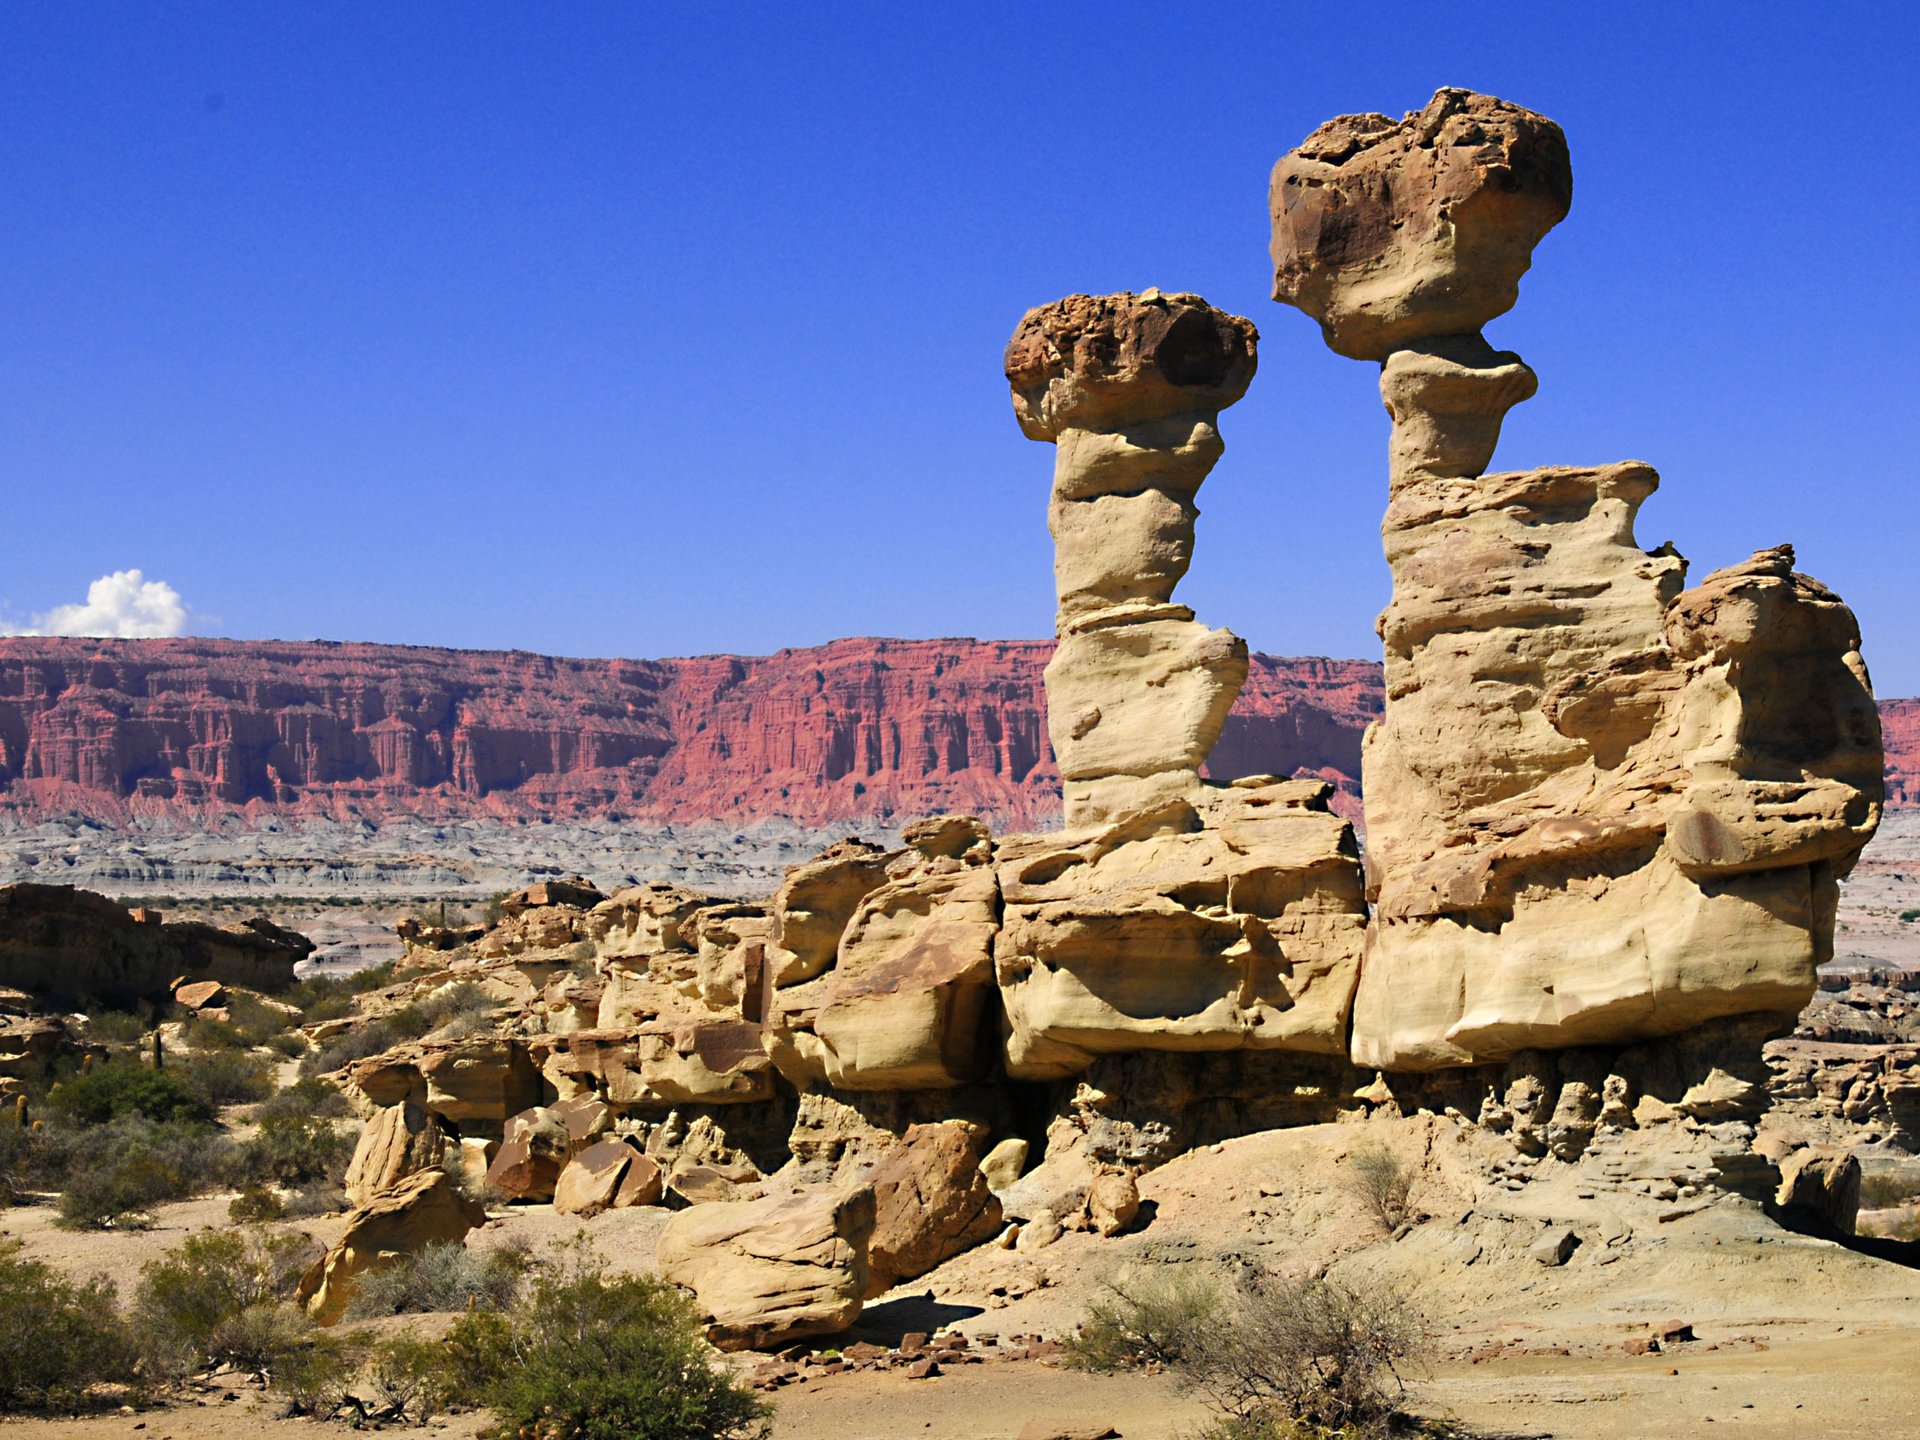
[[854, 730]]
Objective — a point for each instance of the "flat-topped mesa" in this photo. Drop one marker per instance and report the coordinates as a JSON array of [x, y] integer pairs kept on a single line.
[[1129, 388], [1600, 809]]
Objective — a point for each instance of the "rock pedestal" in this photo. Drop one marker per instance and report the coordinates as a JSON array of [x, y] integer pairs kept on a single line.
[[1130, 388], [1599, 809]]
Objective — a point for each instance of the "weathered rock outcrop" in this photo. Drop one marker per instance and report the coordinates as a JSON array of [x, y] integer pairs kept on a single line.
[[398, 1141], [69, 945], [1392, 232], [1599, 809]]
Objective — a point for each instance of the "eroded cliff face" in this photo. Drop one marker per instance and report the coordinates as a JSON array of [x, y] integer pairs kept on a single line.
[[853, 730]]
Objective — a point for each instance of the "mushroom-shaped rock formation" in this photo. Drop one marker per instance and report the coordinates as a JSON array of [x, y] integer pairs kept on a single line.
[[1129, 388], [1600, 809], [1389, 233]]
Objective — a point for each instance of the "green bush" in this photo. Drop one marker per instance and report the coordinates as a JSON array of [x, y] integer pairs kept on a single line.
[[292, 1150], [307, 1096], [114, 1174], [444, 1277], [126, 1087], [289, 1045], [255, 1205], [230, 1078], [116, 1027], [410, 1379], [464, 1005], [1152, 1318], [57, 1338], [357, 1044], [212, 1299], [586, 1358], [315, 1370]]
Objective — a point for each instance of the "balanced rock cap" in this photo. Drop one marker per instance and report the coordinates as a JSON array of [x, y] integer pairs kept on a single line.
[[1393, 232], [1100, 362]]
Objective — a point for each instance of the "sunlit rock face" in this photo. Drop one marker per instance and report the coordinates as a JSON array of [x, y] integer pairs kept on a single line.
[[1600, 807]]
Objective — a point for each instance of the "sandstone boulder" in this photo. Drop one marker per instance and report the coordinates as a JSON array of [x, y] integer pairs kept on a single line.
[[813, 905], [931, 1202], [1820, 1191], [910, 1003], [767, 1272], [1113, 1201], [609, 1175], [1389, 232], [400, 1140], [1239, 928], [423, 1209], [533, 1152]]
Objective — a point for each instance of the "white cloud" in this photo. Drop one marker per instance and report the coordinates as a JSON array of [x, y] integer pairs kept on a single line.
[[124, 605]]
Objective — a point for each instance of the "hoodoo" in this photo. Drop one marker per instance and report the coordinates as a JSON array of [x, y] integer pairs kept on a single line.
[[1600, 808]]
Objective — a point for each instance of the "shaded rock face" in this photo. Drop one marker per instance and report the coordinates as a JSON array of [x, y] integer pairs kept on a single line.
[[1391, 232], [766, 1272], [66, 945], [931, 1202], [1600, 808], [1130, 388]]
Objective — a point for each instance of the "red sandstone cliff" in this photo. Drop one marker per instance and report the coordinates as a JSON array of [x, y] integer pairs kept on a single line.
[[858, 729]]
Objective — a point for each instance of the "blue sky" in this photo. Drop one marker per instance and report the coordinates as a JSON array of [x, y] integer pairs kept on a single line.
[[646, 330]]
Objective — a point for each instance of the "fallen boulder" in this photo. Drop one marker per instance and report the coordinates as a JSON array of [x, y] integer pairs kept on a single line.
[[766, 1272], [930, 1203]]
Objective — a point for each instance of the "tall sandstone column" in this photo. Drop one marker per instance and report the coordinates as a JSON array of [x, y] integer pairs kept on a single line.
[[1130, 389], [1599, 808]]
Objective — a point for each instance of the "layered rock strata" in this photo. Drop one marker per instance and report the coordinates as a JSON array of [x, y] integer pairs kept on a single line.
[[1600, 808], [1129, 388], [69, 945]]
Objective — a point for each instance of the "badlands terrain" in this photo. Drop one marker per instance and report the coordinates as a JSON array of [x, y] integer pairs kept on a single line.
[[1599, 1053]]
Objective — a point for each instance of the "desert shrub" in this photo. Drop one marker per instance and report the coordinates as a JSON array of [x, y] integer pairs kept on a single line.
[[57, 1337], [1886, 1189], [444, 1278], [1155, 1317], [230, 1078], [116, 1027], [1382, 1180], [292, 1150], [120, 1088], [587, 1358], [371, 977], [1306, 1353], [314, 1370], [255, 1205], [1909, 916], [357, 1044], [308, 1096], [316, 1197], [113, 1175], [212, 1299], [410, 1379], [289, 1044], [462, 1005]]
